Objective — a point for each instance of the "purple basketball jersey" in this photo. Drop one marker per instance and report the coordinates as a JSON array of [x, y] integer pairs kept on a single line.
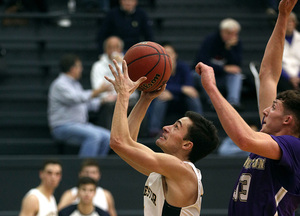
[[268, 187]]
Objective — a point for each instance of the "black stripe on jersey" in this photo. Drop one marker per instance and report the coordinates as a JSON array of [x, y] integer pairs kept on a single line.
[[169, 210]]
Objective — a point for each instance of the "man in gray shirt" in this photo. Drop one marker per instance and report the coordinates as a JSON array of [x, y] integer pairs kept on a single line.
[[68, 106]]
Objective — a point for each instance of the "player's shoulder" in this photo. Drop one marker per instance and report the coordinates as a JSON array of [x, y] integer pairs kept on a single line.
[[31, 199]]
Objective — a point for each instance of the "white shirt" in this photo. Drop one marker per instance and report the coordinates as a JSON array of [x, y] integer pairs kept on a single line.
[[291, 56], [154, 198], [46, 207], [99, 70]]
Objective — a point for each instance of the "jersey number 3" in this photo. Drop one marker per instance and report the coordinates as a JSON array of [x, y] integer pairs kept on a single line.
[[242, 188]]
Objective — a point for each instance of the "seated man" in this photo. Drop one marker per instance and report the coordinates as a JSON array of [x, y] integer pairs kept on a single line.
[[68, 108], [113, 49], [222, 50]]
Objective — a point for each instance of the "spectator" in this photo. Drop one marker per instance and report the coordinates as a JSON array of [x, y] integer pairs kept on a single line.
[[113, 49], [129, 22], [103, 198], [86, 193], [178, 93], [68, 108], [290, 75], [40, 201], [222, 50]]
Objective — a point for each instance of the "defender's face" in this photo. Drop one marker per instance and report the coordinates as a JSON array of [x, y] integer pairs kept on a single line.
[[273, 118], [173, 135]]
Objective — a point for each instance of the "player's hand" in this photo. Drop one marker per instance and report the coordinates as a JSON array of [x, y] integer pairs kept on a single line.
[[152, 95], [286, 6], [207, 76], [122, 83]]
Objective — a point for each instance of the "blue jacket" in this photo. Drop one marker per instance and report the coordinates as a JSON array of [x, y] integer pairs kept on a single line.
[[213, 50], [182, 77]]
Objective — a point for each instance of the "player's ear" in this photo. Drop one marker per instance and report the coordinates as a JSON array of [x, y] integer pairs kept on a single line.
[[288, 119], [187, 145]]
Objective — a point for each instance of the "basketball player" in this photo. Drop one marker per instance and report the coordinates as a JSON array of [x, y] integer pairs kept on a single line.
[[40, 201], [174, 184], [103, 198], [85, 207], [269, 183]]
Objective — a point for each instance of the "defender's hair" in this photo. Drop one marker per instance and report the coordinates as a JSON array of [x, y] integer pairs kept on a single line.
[[291, 103]]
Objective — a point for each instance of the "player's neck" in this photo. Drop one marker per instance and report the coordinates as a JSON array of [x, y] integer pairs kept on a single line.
[[85, 208], [46, 191]]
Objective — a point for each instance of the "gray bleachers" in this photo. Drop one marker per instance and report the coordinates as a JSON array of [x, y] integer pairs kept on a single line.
[[33, 52], [32, 55]]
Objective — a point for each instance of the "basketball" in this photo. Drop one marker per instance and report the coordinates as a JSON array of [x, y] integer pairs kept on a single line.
[[148, 59]]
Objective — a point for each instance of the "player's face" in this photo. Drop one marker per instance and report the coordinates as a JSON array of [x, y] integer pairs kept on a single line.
[[86, 193], [51, 175], [90, 171], [273, 118], [173, 136]]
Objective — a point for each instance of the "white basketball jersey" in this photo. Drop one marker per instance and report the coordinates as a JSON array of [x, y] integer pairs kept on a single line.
[[46, 207], [99, 200], [154, 199]]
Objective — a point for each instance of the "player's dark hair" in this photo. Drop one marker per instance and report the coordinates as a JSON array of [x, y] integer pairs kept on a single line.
[[291, 103], [86, 180], [203, 134], [89, 162], [50, 161], [67, 61]]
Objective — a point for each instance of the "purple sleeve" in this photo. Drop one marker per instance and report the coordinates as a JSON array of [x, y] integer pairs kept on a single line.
[[288, 167], [290, 147]]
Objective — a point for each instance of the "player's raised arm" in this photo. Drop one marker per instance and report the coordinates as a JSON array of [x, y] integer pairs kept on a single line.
[[139, 111], [270, 69]]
